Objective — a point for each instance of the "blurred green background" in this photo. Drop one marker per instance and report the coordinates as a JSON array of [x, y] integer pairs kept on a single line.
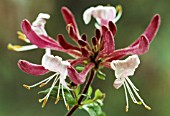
[[152, 76]]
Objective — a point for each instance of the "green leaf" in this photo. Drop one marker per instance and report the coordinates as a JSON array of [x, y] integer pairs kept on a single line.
[[101, 75], [77, 91], [69, 98], [93, 106], [53, 93], [79, 68], [89, 92], [94, 109], [99, 95]]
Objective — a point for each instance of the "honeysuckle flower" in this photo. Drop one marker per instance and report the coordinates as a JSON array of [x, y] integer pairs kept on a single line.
[[101, 53], [124, 69], [49, 63], [38, 26], [102, 14]]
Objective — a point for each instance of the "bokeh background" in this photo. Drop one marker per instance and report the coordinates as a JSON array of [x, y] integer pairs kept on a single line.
[[152, 77]]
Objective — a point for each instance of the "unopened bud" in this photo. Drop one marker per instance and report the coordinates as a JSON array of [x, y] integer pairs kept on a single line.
[[98, 34]]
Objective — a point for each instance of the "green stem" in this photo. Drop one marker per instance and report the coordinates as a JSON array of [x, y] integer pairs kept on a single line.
[[84, 91]]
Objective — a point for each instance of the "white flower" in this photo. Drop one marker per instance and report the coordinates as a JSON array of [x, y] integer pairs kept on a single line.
[[38, 26], [103, 14], [54, 64], [123, 69]]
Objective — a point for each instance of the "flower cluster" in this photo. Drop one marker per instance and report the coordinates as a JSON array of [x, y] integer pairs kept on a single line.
[[98, 54]]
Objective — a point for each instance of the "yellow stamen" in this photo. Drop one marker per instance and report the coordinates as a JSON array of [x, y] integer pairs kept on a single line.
[[13, 47], [26, 86], [126, 109], [57, 99], [68, 27], [44, 103], [43, 84], [40, 100], [139, 103], [22, 36], [67, 106], [119, 8], [148, 108]]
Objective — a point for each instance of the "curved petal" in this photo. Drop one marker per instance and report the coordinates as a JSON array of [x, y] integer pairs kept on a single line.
[[79, 78], [125, 68], [112, 28], [31, 68], [78, 61], [65, 44], [87, 15], [69, 18], [102, 14], [39, 24], [140, 48], [118, 83], [54, 63], [40, 41], [152, 29], [108, 43]]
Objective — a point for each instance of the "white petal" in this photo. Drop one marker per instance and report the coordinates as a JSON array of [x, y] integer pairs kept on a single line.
[[55, 64], [104, 12], [39, 24], [44, 16], [87, 15], [118, 83], [125, 68]]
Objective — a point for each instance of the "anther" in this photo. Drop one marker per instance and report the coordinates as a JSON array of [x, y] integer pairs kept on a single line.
[[126, 109], [43, 84], [147, 107], [67, 106], [139, 103], [57, 99], [26, 86], [13, 47], [44, 103], [22, 37]]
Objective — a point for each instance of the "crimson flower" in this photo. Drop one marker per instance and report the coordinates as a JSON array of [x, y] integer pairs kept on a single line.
[[100, 53]]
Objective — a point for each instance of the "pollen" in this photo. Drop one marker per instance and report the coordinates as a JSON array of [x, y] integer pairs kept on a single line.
[[22, 37], [44, 103], [67, 106], [43, 84], [139, 103], [68, 27], [148, 108], [57, 99], [119, 8], [13, 47], [26, 86], [126, 109]]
